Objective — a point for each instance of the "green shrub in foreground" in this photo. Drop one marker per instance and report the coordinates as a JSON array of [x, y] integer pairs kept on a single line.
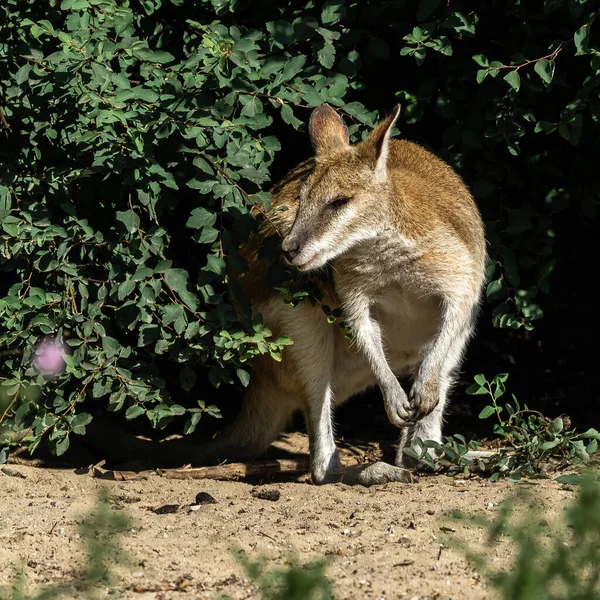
[[558, 560], [553, 559]]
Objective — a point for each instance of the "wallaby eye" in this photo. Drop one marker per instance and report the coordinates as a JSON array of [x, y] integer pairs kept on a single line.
[[339, 202]]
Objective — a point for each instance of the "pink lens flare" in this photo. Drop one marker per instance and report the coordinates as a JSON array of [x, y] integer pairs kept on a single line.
[[48, 357]]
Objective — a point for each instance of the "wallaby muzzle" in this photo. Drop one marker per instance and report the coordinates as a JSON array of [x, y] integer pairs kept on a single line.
[[293, 244]]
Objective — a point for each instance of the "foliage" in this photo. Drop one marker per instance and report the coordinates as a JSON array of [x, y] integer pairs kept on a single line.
[[551, 562], [137, 136], [528, 440], [101, 532], [295, 581]]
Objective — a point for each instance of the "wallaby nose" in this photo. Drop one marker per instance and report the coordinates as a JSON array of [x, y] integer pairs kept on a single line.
[[290, 249]]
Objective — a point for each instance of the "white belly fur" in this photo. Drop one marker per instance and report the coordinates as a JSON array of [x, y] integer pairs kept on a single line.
[[408, 323]]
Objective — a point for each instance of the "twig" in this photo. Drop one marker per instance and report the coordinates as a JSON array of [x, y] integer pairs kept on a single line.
[[230, 471], [3, 120], [550, 56], [267, 536]]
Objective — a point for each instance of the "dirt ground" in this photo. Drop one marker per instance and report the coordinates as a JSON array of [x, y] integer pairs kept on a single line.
[[385, 542]]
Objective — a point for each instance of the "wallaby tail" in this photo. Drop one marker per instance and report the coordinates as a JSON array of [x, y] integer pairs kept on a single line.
[[263, 416]]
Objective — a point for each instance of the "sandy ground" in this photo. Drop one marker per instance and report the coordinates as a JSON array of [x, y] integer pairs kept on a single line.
[[384, 542]]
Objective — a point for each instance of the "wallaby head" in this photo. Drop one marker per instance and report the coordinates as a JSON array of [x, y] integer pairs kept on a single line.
[[344, 200]]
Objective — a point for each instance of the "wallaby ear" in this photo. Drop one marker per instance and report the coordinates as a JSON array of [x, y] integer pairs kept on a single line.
[[328, 132], [379, 140]]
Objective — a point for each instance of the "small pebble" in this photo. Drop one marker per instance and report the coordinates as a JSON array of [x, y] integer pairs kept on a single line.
[[167, 509], [204, 498], [266, 494]]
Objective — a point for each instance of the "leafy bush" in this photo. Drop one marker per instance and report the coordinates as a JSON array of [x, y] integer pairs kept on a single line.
[[551, 561], [296, 581], [136, 137], [530, 443], [101, 534]]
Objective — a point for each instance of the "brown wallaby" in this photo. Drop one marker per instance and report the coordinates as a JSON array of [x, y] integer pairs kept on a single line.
[[405, 243]]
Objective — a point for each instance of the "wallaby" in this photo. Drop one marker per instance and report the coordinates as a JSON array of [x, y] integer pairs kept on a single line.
[[405, 245]]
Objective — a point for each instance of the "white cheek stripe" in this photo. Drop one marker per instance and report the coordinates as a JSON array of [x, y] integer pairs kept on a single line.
[[335, 242]]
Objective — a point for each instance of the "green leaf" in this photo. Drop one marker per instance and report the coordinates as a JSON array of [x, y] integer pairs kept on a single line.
[[145, 94], [545, 69], [252, 108], [201, 218], [333, 11], [556, 426], [134, 411], [495, 290], [62, 445], [480, 379], [477, 390], [125, 289], [287, 114], [282, 31], [481, 75], [591, 434], [187, 378], [176, 279], [292, 67], [411, 452], [110, 346], [572, 479], [172, 313], [191, 423], [129, 219], [487, 412], [79, 423], [74, 4], [549, 445], [513, 79], [148, 333], [159, 56], [326, 55], [579, 449], [22, 75], [581, 40], [243, 376], [216, 264]]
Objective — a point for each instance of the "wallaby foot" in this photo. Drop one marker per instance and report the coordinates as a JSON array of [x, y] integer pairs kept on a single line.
[[372, 474], [375, 473]]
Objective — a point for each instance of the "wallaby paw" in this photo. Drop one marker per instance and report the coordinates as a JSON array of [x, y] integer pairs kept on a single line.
[[423, 398], [376, 473], [398, 409]]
